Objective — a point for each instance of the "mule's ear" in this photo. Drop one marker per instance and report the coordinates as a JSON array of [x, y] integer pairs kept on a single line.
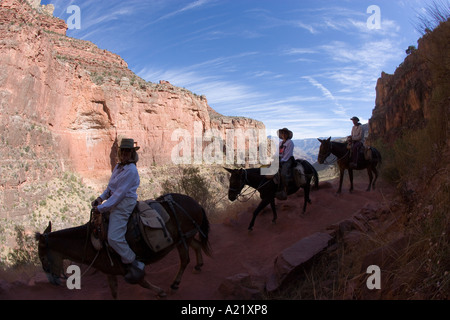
[[229, 170], [49, 228], [320, 140], [329, 139]]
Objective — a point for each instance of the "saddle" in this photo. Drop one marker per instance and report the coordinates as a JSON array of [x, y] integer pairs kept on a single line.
[[296, 174], [150, 217]]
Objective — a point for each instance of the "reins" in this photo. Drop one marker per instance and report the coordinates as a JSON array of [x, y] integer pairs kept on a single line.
[[335, 160], [50, 259], [246, 182]]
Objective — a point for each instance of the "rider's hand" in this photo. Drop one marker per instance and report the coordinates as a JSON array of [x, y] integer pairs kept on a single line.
[[97, 202]]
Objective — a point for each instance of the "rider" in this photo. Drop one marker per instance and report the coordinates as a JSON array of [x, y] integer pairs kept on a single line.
[[286, 153], [356, 140], [121, 198]]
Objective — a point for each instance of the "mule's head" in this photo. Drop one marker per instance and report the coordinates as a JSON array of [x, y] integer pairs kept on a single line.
[[325, 150], [51, 263], [237, 182]]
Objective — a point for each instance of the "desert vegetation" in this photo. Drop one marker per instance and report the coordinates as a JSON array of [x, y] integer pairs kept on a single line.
[[416, 237]]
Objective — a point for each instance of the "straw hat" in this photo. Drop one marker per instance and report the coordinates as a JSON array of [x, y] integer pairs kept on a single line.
[[289, 132]]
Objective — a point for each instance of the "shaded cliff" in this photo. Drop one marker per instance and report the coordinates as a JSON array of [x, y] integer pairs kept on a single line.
[[418, 90]]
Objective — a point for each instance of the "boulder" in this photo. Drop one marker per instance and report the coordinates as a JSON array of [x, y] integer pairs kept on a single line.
[[243, 286], [294, 258]]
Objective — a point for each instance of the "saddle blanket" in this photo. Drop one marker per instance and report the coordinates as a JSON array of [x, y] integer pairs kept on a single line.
[[297, 174], [152, 224]]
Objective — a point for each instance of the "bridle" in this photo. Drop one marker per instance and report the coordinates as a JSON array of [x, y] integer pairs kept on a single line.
[[240, 193], [321, 155], [238, 190], [48, 269]]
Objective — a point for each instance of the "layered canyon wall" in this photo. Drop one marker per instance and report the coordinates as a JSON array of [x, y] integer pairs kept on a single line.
[[65, 103], [418, 89]]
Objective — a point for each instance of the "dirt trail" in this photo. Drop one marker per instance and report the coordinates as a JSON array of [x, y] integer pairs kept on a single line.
[[235, 250]]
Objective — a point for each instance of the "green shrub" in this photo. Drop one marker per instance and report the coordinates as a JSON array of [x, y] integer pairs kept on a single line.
[[26, 250], [190, 182]]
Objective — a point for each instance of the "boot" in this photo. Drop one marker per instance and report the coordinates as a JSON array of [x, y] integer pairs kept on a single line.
[[135, 272]]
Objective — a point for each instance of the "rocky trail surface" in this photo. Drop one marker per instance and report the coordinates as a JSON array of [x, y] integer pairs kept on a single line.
[[235, 250]]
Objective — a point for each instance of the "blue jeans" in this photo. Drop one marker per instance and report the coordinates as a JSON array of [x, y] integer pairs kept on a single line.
[[118, 220]]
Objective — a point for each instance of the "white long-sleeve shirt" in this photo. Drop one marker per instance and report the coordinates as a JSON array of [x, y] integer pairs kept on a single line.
[[357, 133], [123, 183], [287, 150]]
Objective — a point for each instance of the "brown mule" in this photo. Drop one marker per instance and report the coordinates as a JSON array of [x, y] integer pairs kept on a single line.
[[340, 150], [187, 219]]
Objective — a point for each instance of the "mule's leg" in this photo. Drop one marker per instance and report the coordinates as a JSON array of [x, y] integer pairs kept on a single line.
[[147, 285], [369, 172], [183, 252], [306, 190], [350, 175], [112, 281], [341, 179], [274, 210], [197, 246], [262, 205], [375, 171]]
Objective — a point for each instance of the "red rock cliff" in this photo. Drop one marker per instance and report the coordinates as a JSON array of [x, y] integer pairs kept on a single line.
[[407, 99], [67, 101]]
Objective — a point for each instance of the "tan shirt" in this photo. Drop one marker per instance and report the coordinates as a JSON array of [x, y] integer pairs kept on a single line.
[[357, 133]]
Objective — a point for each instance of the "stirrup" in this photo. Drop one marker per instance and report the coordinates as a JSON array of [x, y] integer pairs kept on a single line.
[[134, 274]]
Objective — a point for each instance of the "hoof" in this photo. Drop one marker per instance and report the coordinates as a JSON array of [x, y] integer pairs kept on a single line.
[[198, 269], [161, 295], [274, 221]]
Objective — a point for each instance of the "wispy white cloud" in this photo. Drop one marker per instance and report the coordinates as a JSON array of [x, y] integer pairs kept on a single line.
[[340, 110], [193, 5]]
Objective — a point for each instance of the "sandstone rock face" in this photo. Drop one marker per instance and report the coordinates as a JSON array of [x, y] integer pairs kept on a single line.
[[406, 99], [65, 103], [292, 259]]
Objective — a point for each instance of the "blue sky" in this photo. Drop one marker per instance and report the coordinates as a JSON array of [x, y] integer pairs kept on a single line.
[[305, 65]]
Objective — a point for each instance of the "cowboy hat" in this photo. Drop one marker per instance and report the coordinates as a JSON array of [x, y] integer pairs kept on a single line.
[[289, 132], [355, 118], [129, 144]]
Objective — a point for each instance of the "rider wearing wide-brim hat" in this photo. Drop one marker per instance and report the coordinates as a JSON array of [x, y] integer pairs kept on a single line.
[[356, 140], [286, 155], [119, 199]]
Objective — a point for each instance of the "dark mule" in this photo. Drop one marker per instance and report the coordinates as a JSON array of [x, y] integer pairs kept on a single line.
[[340, 150], [187, 218], [267, 187]]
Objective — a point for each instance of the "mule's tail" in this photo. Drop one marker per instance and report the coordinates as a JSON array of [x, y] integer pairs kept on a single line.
[[312, 171], [204, 227], [377, 155], [316, 178]]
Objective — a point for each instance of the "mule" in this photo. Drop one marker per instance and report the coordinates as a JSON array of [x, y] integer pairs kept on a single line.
[[267, 187], [342, 153], [187, 219]]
